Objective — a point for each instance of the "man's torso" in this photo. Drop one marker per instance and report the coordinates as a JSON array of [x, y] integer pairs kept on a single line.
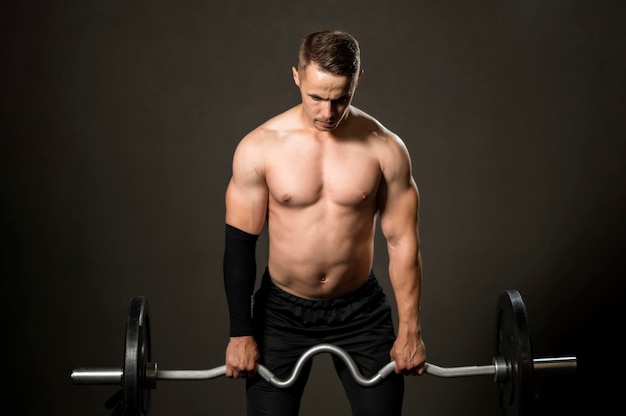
[[322, 205]]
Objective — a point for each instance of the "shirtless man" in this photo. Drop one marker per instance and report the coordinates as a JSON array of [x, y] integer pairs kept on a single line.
[[320, 174]]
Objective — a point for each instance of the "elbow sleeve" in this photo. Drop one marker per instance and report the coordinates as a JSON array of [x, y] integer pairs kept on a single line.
[[239, 278]]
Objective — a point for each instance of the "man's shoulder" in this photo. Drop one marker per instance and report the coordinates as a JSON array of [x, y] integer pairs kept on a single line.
[[276, 125], [368, 125]]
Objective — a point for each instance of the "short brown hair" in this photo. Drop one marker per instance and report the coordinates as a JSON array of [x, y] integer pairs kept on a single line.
[[334, 51]]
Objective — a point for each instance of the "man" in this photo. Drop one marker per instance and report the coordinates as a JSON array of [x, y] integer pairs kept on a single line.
[[320, 174]]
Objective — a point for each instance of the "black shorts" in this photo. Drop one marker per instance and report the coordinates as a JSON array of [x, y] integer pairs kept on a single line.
[[287, 325]]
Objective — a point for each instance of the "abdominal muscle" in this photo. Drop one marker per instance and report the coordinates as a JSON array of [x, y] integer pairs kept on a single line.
[[318, 254]]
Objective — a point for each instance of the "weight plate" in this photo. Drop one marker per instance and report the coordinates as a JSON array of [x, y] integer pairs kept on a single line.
[[513, 344], [137, 354]]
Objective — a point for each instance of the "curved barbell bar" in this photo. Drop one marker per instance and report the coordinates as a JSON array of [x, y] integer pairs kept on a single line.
[[499, 369]]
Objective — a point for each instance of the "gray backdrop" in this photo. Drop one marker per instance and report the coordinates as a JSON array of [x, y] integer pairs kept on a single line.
[[118, 122]]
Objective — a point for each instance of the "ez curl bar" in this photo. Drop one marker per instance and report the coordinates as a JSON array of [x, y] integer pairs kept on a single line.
[[512, 367]]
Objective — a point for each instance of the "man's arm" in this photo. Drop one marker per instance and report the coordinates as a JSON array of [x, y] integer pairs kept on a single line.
[[399, 206], [247, 192], [246, 205]]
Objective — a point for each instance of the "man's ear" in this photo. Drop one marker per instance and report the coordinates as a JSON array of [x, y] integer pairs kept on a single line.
[[359, 76], [296, 77]]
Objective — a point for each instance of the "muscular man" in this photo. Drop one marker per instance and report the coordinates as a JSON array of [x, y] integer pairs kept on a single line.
[[320, 174]]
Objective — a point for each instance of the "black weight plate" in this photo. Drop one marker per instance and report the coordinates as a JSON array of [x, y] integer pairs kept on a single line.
[[513, 343], [137, 354]]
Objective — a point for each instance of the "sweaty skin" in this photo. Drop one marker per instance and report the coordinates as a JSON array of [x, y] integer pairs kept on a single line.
[[320, 174]]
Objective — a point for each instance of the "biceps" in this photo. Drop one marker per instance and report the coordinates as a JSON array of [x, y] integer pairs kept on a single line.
[[246, 205], [399, 215]]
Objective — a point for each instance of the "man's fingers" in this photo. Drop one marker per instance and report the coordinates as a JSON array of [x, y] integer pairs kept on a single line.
[[410, 370], [240, 373]]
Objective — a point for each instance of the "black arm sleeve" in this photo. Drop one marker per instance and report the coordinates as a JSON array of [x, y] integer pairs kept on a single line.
[[239, 278]]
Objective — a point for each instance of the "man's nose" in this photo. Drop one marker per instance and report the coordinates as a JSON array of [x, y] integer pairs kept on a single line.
[[328, 109]]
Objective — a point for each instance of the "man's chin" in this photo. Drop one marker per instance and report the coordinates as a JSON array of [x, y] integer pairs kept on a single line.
[[326, 126]]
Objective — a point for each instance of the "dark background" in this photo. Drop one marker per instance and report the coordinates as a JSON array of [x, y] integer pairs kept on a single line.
[[118, 123]]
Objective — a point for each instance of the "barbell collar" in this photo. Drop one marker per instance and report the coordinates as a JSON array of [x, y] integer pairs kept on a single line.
[[501, 370], [151, 375]]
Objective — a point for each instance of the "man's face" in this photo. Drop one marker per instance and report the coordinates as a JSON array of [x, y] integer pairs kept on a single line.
[[325, 96]]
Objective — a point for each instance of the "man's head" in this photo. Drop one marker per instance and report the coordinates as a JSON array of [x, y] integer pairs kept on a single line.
[[333, 51], [329, 69]]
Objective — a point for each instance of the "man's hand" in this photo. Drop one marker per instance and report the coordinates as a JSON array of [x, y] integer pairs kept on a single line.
[[242, 357], [409, 354]]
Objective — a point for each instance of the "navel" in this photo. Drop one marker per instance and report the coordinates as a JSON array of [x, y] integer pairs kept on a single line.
[[323, 278]]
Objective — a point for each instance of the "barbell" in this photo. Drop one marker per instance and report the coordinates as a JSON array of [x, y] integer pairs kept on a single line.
[[513, 367]]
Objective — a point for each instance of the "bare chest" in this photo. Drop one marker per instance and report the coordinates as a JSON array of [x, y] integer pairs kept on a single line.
[[346, 176]]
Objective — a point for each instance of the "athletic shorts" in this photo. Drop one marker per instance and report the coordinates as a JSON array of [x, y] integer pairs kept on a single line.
[[286, 326]]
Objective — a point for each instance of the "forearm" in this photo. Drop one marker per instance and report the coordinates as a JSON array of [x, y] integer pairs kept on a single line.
[[405, 272], [239, 279], [408, 350]]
